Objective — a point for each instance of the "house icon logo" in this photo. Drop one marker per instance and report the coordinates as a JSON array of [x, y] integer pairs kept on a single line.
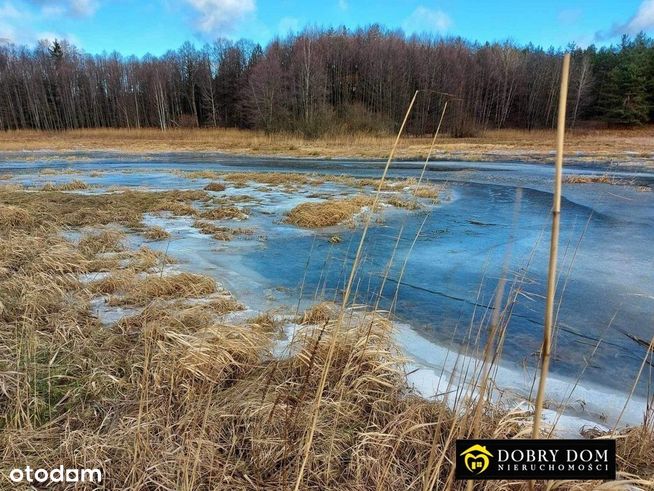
[[476, 458]]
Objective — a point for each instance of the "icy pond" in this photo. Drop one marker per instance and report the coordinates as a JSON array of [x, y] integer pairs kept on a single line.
[[442, 262]]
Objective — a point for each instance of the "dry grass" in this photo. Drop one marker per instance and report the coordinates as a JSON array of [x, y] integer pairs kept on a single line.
[[491, 145], [14, 217], [293, 180], [398, 202], [265, 322], [327, 213], [101, 242], [603, 179], [225, 305], [427, 191], [320, 313], [226, 212], [78, 210], [215, 186], [156, 233], [220, 232], [140, 290], [74, 185]]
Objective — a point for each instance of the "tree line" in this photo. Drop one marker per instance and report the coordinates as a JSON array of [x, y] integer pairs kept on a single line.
[[330, 80]]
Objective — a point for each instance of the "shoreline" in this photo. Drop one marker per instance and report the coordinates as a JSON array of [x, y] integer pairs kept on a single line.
[[583, 147], [588, 162]]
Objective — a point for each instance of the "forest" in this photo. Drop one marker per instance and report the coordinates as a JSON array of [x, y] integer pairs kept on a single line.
[[323, 81]]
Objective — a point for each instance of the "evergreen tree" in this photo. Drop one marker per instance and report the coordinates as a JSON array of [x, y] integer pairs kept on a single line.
[[625, 96], [56, 50]]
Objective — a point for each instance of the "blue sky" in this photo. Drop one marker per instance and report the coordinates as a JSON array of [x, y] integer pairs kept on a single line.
[[154, 26]]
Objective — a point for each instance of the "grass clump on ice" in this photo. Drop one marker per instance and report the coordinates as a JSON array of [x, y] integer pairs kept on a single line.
[[156, 233], [215, 187], [74, 185], [426, 191], [398, 202], [224, 213], [327, 213], [219, 232]]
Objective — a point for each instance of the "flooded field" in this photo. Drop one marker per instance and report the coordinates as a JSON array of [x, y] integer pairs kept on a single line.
[[435, 262]]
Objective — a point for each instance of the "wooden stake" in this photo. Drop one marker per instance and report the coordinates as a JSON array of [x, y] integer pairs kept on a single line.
[[554, 248]]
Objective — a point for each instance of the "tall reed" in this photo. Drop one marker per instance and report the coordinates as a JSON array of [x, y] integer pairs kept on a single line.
[[554, 248]]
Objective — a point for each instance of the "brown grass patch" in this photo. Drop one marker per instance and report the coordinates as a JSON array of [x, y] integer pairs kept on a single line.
[[51, 208], [14, 217], [224, 213], [156, 233], [215, 187], [604, 179], [225, 305], [398, 202], [148, 288], [265, 322], [320, 313], [426, 191], [74, 185], [101, 242], [220, 232], [327, 213]]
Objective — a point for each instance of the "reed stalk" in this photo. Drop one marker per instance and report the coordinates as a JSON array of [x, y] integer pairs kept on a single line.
[[554, 247]]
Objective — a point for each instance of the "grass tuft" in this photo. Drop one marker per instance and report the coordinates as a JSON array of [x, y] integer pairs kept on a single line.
[[74, 185], [327, 213], [215, 186], [156, 233]]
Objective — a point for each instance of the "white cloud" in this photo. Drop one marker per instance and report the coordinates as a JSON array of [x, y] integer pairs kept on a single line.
[[342, 4], [427, 20], [220, 16], [642, 20], [18, 19], [67, 8]]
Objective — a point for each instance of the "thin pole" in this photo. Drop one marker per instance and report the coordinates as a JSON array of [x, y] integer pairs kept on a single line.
[[554, 249]]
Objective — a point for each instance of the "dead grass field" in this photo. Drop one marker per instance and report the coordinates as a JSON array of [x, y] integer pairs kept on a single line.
[[620, 145]]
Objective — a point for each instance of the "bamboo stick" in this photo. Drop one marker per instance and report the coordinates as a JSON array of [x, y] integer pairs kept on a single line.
[[554, 247]]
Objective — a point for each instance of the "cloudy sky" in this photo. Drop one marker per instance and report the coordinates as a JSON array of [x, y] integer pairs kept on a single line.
[[154, 26]]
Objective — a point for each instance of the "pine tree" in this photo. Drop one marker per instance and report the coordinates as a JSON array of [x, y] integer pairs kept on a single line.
[[56, 50], [625, 95]]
